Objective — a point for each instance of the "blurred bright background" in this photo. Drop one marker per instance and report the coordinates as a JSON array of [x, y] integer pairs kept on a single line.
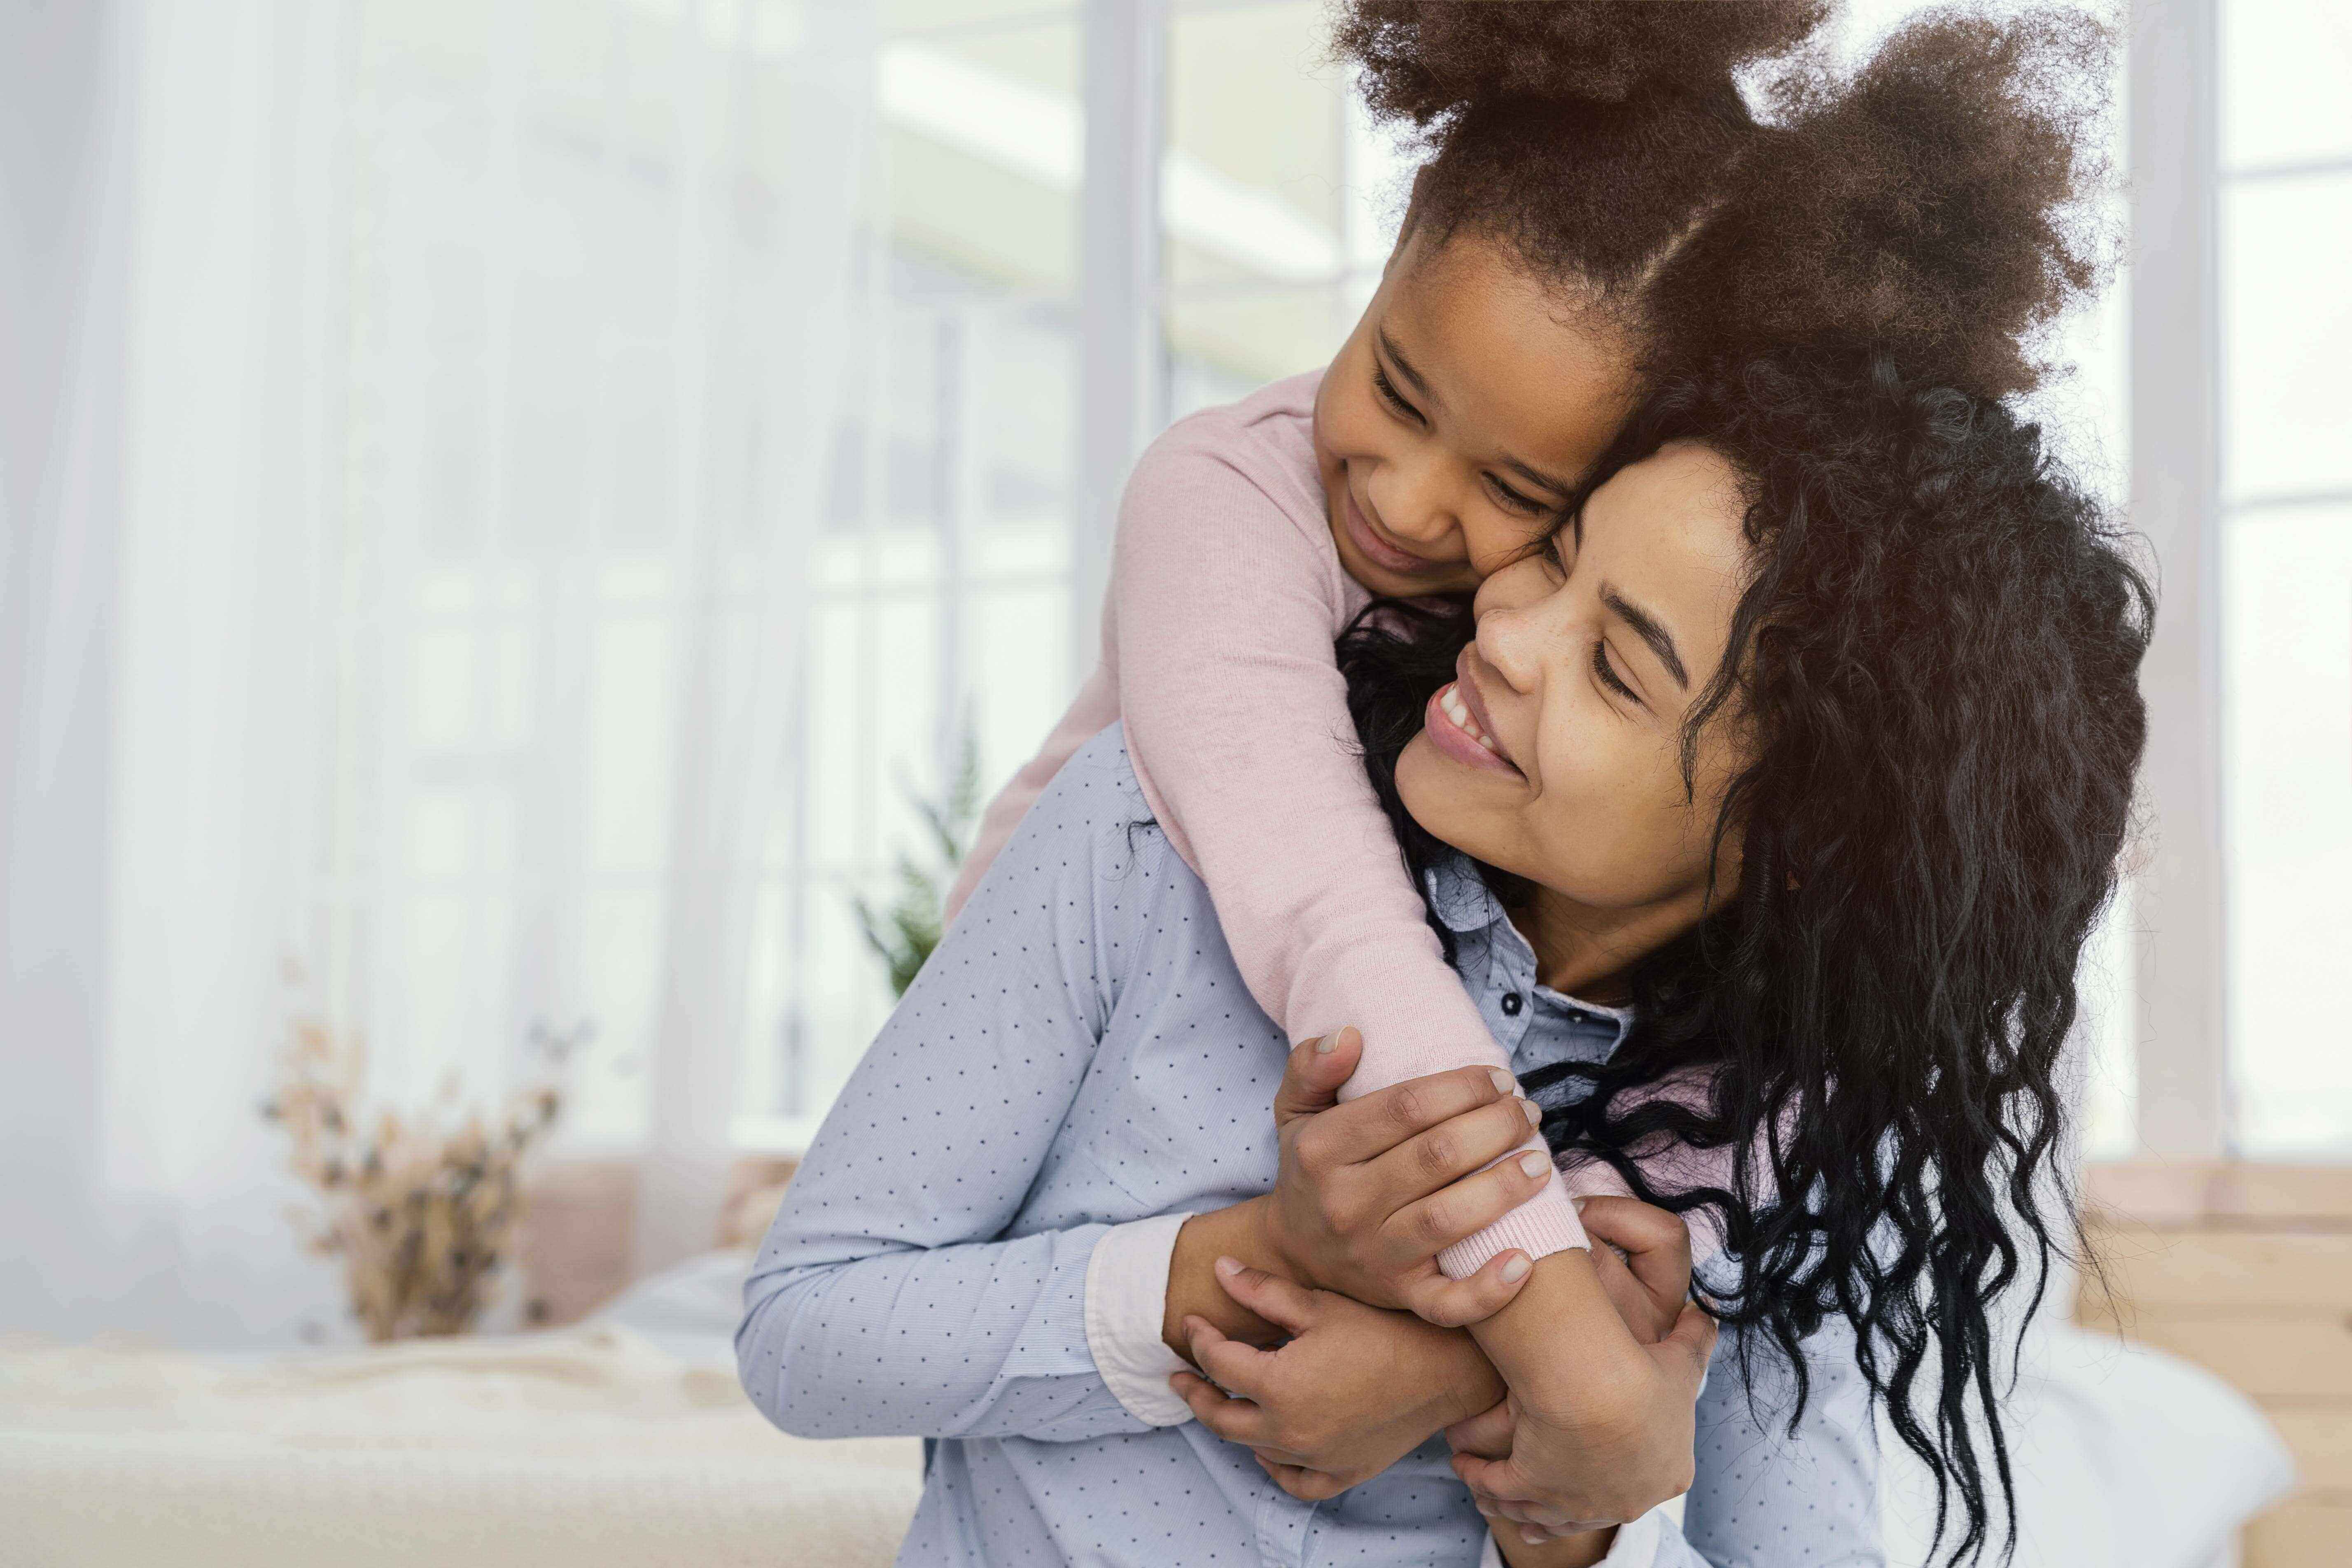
[[505, 507]]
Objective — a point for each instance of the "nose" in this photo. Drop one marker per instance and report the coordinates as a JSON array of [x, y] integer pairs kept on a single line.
[[1511, 633], [1415, 502]]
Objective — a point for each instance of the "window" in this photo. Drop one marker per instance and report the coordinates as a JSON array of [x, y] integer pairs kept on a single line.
[[2285, 216], [1072, 222]]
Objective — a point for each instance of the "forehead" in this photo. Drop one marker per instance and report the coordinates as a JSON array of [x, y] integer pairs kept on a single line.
[[1532, 371], [1667, 531]]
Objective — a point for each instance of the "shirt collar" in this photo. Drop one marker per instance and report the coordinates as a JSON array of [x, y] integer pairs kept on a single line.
[[1464, 905]]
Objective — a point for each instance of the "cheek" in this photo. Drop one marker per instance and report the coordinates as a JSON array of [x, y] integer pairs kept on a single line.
[[1347, 424], [1612, 816], [1495, 542]]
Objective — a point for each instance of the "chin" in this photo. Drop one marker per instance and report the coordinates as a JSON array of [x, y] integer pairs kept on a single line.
[[1428, 793], [1436, 796]]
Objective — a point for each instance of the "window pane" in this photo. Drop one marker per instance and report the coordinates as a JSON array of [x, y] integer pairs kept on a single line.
[[1280, 202], [1223, 345], [2287, 788], [1254, 187], [2286, 325], [940, 581], [2284, 64]]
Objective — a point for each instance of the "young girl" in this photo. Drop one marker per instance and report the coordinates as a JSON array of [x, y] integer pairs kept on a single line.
[[1597, 207]]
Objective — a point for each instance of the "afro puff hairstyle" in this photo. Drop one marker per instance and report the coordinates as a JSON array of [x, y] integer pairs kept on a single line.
[[1704, 170]]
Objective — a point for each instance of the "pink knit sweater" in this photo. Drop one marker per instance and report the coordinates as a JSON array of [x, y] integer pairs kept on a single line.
[[1226, 596]]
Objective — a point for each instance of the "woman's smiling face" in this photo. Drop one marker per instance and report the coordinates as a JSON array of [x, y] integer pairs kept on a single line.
[[1556, 752]]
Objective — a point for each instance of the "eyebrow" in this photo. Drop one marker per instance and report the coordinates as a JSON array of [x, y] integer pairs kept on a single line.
[[1645, 627], [1421, 383], [1539, 475]]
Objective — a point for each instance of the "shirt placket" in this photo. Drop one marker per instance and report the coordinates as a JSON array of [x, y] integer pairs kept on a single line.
[[1508, 1000]]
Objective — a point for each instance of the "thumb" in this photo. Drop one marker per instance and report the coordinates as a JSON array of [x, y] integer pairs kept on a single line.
[[1287, 1306], [1688, 1346], [1486, 1436], [1311, 1080]]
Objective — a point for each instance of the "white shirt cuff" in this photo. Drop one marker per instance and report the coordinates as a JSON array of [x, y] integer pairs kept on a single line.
[[1127, 1302], [1636, 1545]]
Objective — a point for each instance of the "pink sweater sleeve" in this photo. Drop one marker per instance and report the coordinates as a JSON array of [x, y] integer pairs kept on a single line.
[[1224, 608]]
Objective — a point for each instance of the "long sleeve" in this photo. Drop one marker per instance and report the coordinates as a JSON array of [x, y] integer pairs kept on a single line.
[[1226, 604], [888, 1297], [1767, 1496]]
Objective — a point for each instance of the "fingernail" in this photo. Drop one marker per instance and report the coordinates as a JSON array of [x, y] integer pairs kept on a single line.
[[1533, 1163], [1535, 1112], [1579, 1204], [1533, 1536], [1517, 1269], [1229, 1267], [1503, 1082], [1326, 1043]]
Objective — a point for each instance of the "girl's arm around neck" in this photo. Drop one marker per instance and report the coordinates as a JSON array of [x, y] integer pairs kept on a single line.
[[1227, 596]]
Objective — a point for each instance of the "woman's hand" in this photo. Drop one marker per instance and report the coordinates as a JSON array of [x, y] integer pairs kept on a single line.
[[1353, 1391], [1371, 1191]]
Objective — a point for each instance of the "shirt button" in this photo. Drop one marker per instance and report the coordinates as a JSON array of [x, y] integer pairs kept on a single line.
[[1511, 1004]]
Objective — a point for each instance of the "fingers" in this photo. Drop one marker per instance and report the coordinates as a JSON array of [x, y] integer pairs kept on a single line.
[[1498, 1481], [1312, 1078], [1363, 1130], [1237, 1368], [1486, 1436], [1423, 1226], [1453, 1303], [1286, 1305], [1234, 1420], [1656, 1243], [1685, 1350], [1469, 1142], [1313, 1486]]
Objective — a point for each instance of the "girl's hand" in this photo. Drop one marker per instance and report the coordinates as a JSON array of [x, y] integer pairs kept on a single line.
[[1599, 1445], [1353, 1391], [1371, 1191], [1524, 1545], [1640, 1257]]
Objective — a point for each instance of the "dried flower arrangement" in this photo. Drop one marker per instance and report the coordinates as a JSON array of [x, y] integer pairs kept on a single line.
[[421, 1209]]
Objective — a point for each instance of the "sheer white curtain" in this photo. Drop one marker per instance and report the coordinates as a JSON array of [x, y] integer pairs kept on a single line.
[[479, 366]]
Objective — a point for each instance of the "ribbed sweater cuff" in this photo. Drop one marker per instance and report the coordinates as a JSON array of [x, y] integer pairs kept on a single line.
[[1542, 1225]]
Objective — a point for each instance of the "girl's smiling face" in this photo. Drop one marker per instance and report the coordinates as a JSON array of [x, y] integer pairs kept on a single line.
[[1455, 422], [1556, 752]]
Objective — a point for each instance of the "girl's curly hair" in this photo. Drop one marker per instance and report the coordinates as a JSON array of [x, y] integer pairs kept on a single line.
[[1933, 205], [1934, 666]]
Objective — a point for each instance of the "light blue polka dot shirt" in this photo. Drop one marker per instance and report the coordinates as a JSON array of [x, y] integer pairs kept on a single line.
[[1081, 1055]]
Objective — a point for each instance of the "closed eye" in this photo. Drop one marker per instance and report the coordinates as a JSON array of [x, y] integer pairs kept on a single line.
[[1391, 396], [1608, 675], [1515, 501]]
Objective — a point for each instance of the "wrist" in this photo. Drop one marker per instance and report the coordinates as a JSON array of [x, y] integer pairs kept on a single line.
[[1192, 1287], [1551, 1340], [1267, 1248]]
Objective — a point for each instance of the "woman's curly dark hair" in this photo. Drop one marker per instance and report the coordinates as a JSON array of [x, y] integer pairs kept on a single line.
[[1935, 674], [1934, 206]]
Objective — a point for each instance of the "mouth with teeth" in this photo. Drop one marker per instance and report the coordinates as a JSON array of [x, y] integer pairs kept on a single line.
[[1453, 728]]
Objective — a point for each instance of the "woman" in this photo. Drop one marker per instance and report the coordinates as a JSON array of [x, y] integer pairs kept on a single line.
[[1799, 763]]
